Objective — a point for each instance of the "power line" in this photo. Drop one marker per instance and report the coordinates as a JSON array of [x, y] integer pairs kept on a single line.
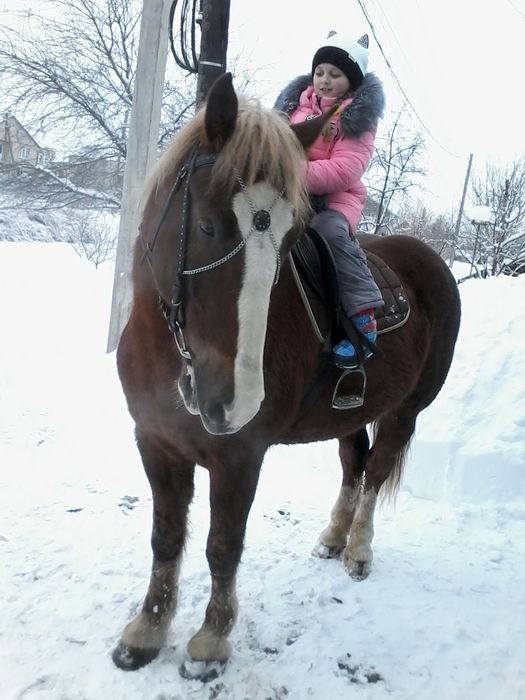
[[397, 82], [378, 3], [516, 9]]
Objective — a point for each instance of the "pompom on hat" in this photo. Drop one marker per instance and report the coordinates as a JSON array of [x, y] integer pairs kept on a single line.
[[349, 55]]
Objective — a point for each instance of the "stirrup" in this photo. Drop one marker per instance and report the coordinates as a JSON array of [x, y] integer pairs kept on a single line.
[[343, 403]]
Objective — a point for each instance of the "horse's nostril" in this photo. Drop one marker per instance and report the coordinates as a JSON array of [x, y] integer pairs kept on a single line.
[[215, 413], [189, 396]]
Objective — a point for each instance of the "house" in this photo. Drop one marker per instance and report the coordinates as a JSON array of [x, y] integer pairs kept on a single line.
[[29, 167], [18, 147], [103, 174]]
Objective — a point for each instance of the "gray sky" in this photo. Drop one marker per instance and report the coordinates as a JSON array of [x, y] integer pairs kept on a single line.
[[460, 62]]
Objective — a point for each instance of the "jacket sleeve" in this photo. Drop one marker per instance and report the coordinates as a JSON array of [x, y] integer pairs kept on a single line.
[[344, 168]]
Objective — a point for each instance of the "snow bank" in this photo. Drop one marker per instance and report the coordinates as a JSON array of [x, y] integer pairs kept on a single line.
[[470, 443]]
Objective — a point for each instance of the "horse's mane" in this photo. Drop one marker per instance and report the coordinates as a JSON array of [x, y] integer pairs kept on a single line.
[[262, 145]]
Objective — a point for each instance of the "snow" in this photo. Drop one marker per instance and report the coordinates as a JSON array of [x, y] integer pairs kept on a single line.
[[481, 214], [441, 615]]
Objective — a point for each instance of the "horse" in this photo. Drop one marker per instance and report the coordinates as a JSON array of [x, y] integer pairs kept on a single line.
[[219, 353]]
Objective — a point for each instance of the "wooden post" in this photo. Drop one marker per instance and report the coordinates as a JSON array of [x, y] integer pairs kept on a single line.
[[144, 126], [214, 45], [141, 151]]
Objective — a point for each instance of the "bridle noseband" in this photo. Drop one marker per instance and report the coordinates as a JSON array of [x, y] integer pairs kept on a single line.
[[261, 221]]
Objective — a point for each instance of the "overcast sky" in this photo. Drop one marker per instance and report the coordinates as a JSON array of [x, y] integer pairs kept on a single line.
[[460, 63]]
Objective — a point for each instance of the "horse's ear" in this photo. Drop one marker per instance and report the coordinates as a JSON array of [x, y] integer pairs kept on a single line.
[[309, 130], [221, 112]]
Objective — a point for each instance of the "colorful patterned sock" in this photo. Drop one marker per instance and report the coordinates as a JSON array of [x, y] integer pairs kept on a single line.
[[365, 321]]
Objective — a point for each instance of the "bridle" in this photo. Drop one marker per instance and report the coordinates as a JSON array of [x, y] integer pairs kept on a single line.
[[261, 221]]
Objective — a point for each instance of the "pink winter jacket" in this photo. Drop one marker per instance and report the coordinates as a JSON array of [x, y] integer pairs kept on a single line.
[[337, 163]]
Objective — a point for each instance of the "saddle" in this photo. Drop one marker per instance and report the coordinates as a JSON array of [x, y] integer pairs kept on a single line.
[[314, 271]]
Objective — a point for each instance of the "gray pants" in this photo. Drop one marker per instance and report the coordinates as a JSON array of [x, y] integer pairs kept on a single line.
[[357, 288]]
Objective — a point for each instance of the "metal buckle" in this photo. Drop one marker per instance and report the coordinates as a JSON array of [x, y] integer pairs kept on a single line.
[[179, 339]]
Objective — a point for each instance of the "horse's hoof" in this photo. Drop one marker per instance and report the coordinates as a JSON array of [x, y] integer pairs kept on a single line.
[[324, 551], [204, 671], [358, 570], [132, 658], [208, 646]]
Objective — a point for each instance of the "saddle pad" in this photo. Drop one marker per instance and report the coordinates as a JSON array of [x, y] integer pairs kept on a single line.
[[314, 274], [396, 309]]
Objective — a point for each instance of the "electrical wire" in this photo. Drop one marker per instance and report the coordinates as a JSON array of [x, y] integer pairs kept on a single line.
[[387, 21], [397, 82], [189, 18], [516, 9]]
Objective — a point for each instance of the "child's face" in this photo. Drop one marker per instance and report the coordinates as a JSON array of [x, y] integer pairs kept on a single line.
[[330, 81]]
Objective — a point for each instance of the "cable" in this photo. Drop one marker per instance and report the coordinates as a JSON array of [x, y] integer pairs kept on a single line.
[[398, 84], [401, 48], [516, 9], [188, 21]]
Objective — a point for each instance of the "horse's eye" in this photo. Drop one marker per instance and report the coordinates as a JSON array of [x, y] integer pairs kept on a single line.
[[206, 228]]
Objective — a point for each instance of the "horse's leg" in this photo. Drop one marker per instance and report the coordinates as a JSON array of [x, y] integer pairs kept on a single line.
[[393, 434], [353, 452], [232, 489], [171, 481]]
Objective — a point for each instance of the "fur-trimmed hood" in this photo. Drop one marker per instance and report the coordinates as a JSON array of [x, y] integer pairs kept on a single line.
[[358, 117]]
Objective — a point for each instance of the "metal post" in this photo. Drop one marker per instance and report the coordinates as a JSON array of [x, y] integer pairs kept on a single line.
[[473, 261]]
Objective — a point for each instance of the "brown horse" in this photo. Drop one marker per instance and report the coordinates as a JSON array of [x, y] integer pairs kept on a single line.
[[219, 354]]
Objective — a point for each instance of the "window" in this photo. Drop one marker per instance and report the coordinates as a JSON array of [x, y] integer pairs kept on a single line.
[[1, 151], [23, 152]]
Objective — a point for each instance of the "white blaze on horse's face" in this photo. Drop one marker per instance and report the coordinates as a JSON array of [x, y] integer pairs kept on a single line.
[[260, 268]]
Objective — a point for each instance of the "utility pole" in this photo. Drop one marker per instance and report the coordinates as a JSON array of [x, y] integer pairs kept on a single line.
[[460, 213], [141, 151], [214, 44], [144, 126]]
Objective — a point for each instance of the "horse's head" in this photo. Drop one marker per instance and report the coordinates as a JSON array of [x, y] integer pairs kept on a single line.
[[237, 208]]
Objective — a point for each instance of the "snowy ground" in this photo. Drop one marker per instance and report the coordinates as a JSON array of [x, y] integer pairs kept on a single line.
[[441, 616]]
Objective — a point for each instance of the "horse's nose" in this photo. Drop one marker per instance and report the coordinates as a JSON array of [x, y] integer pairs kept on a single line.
[[214, 419]]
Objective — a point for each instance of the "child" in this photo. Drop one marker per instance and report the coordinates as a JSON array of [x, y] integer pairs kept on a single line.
[[337, 162]]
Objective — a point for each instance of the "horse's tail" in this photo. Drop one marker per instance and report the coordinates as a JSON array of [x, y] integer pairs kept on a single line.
[[390, 487]]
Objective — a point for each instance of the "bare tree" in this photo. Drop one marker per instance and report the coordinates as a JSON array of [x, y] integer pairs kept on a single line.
[[441, 234], [39, 188], [92, 233], [71, 70], [498, 246], [394, 171], [419, 221], [94, 237]]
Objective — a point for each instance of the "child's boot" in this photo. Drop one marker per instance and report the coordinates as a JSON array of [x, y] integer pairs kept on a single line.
[[344, 353]]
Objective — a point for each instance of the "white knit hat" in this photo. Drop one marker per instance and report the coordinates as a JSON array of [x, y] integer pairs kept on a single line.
[[349, 55]]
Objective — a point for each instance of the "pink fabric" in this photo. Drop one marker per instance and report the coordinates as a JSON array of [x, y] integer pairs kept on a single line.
[[336, 164]]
